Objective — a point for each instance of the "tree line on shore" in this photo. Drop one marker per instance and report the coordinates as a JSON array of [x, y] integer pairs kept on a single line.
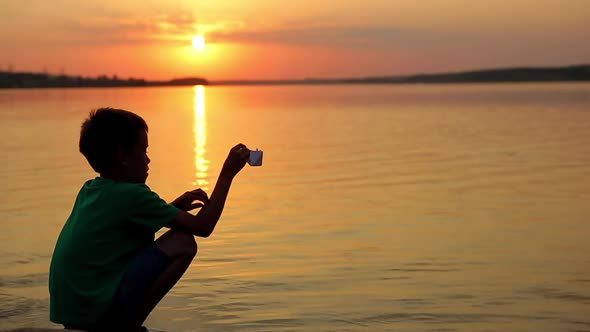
[[41, 80], [575, 73]]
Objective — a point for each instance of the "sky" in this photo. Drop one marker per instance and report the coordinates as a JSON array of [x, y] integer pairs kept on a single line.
[[289, 39]]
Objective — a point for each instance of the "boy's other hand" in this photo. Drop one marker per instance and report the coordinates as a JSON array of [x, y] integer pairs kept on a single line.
[[237, 158], [191, 200]]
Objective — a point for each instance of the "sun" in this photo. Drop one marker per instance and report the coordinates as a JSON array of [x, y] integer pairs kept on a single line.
[[199, 42]]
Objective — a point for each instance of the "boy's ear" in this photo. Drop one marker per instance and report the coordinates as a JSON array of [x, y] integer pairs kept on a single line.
[[122, 157]]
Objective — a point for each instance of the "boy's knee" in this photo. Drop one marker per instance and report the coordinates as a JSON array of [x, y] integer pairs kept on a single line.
[[178, 244], [191, 246], [187, 245]]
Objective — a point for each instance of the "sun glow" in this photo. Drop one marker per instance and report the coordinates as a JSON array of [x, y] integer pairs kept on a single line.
[[199, 42]]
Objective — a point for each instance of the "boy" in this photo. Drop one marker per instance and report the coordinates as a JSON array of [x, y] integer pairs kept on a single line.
[[107, 273]]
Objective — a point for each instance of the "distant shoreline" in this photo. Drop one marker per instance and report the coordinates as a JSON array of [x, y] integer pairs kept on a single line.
[[25, 80], [574, 73]]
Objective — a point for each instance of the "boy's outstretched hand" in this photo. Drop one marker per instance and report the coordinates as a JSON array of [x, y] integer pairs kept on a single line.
[[237, 158], [203, 223], [191, 200]]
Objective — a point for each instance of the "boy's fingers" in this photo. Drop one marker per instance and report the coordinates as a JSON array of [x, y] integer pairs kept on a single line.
[[200, 199], [199, 194], [198, 191], [244, 153], [203, 198], [240, 147], [196, 206]]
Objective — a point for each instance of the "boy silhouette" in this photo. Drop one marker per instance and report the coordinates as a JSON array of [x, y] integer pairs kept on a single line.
[[108, 272]]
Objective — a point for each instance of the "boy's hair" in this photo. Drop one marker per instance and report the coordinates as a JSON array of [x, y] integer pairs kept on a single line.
[[107, 131]]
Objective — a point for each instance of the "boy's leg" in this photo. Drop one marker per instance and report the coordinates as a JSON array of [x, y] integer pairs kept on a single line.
[[181, 248], [151, 274]]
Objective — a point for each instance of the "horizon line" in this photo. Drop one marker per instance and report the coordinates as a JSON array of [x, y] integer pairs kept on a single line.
[[304, 79]]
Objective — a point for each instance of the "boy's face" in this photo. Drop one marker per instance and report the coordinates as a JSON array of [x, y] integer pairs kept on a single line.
[[136, 160]]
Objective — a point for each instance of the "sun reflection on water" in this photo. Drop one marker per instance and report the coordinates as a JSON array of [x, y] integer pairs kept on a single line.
[[200, 130]]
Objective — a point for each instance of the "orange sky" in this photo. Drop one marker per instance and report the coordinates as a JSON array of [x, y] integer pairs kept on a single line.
[[289, 38]]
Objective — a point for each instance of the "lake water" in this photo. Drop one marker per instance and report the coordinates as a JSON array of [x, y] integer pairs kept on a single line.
[[378, 208]]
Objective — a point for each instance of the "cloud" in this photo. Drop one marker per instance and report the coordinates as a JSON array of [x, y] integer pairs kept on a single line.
[[337, 36], [115, 30], [101, 30], [177, 29], [163, 29]]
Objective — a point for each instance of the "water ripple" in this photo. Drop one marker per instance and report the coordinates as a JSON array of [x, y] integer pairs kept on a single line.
[[554, 293], [31, 280], [11, 306]]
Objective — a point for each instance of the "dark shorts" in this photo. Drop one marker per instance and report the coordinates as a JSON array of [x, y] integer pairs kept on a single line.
[[143, 270]]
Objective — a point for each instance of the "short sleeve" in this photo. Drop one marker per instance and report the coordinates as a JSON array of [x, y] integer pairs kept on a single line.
[[149, 210]]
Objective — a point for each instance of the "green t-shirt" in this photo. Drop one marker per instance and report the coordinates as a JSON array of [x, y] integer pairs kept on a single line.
[[111, 222]]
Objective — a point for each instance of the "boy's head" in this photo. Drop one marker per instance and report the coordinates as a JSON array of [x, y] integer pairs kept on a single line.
[[115, 144]]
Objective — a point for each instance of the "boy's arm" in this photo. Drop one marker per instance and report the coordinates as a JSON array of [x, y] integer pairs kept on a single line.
[[205, 221]]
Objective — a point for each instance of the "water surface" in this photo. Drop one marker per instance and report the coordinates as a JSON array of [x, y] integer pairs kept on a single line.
[[378, 208]]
